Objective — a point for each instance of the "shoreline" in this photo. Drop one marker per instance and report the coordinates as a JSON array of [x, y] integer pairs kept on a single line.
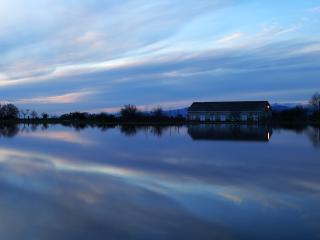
[[151, 123]]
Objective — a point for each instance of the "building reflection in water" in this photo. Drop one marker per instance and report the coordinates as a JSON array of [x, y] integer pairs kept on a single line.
[[314, 135], [236, 132]]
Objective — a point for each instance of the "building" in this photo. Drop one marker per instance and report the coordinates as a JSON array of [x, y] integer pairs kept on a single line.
[[244, 111]]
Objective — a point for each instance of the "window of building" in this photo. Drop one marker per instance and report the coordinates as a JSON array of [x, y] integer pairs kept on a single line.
[[244, 117]]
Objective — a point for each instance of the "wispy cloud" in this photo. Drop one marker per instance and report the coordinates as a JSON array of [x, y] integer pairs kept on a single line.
[[205, 48], [64, 136], [314, 9], [75, 97], [229, 38]]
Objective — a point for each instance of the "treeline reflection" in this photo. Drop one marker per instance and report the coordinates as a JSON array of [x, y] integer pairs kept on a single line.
[[9, 130], [199, 132]]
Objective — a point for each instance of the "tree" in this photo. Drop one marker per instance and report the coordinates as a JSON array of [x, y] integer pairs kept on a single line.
[[9, 111], [129, 112], [44, 115], [34, 114], [315, 101], [23, 113], [157, 112], [27, 113]]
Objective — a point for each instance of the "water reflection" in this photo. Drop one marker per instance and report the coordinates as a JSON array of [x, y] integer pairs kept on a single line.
[[157, 130], [236, 132], [217, 132], [314, 135], [8, 130], [58, 183]]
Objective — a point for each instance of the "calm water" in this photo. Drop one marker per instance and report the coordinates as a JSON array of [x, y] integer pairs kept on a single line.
[[199, 182]]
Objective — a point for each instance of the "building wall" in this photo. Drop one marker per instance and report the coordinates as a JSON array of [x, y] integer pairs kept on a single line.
[[229, 116]]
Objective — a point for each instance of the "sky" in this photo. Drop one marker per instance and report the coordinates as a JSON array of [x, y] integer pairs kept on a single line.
[[98, 55]]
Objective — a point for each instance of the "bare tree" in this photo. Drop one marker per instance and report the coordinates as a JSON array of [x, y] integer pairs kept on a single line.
[[27, 113], [24, 113], [315, 101], [34, 114]]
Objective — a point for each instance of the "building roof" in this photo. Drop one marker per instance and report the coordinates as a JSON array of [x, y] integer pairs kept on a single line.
[[229, 106]]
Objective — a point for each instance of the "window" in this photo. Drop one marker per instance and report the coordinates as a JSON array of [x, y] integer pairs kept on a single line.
[[244, 117]]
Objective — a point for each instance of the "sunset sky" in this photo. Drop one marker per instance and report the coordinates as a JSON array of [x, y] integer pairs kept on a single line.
[[97, 55]]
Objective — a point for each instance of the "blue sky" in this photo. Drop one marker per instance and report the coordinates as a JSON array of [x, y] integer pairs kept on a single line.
[[98, 55]]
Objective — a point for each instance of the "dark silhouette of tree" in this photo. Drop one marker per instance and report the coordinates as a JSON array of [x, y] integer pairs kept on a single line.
[[297, 114], [23, 113], [34, 114], [75, 116], [129, 112], [27, 113], [315, 101], [103, 117], [157, 112], [44, 115], [9, 111]]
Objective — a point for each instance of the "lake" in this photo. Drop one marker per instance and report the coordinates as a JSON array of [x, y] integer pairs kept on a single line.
[[189, 182]]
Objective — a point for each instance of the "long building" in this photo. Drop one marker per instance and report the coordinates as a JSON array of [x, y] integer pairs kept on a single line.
[[244, 111]]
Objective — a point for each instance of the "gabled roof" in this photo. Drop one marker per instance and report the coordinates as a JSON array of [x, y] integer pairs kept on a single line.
[[229, 106]]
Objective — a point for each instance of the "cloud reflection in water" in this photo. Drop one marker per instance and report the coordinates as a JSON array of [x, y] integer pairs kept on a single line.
[[146, 187]]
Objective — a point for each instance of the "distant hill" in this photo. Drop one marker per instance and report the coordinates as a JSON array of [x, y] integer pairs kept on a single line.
[[281, 107], [176, 112]]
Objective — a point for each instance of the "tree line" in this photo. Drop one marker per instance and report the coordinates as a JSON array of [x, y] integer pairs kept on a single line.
[[131, 114], [300, 114]]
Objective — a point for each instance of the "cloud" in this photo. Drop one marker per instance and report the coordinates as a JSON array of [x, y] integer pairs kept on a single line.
[[114, 48], [271, 71], [91, 30], [75, 97], [231, 197], [63, 136], [229, 38], [314, 9]]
